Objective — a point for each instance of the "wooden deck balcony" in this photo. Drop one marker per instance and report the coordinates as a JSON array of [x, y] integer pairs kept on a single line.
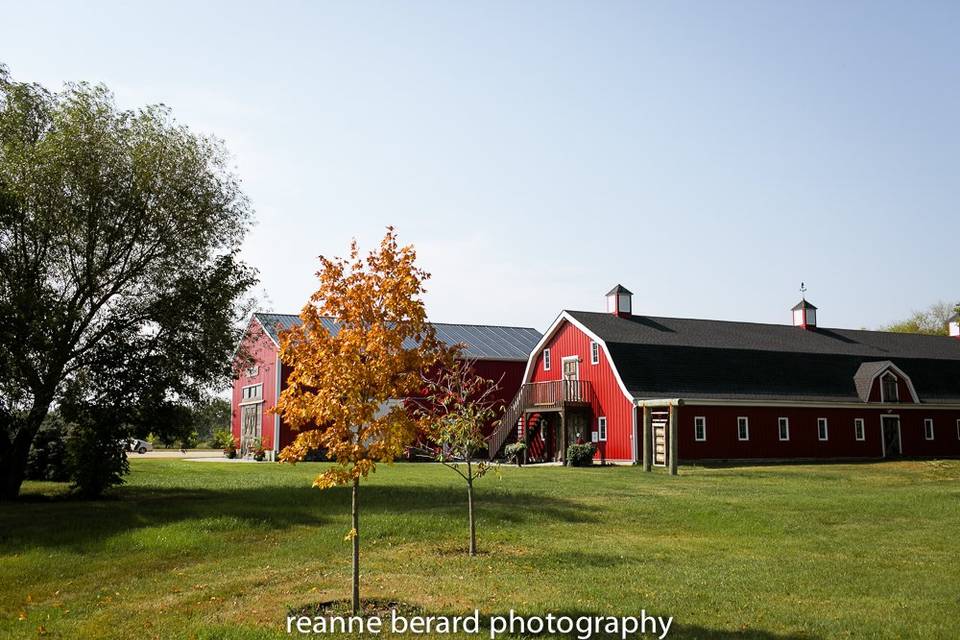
[[554, 395]]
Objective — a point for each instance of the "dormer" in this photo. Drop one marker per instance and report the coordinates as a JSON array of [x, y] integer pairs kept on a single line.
[[620, 302], [883, 381], [953, 325], [804, 315]]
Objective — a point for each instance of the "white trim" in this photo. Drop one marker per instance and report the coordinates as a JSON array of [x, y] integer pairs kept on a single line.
[[859, 429], [928, 421], [594, 352], [276, 401], [602, 428], [633, 433], [785, 421], [887, 374], [825, 436], [702, 420], [958, 429], [799, 404], [746, 423], [547, 360], [545, 340], [563, 361]]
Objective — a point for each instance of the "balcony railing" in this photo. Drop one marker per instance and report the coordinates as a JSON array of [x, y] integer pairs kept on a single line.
[[544, 396]]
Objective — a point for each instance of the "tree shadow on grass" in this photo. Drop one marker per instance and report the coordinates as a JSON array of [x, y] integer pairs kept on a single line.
[[85, 525]]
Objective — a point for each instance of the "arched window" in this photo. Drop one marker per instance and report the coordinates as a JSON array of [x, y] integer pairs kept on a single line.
[[889, 389]]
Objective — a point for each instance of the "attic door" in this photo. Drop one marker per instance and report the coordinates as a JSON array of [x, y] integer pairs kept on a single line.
[[571, 368]]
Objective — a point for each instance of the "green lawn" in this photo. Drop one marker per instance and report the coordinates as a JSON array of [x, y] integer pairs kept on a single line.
[[211, 550]]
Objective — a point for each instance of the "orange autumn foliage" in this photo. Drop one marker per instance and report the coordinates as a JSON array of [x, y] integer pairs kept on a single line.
[[349, 381]]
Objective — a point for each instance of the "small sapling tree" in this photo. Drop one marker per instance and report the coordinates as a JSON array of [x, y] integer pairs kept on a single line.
[[458, 405]]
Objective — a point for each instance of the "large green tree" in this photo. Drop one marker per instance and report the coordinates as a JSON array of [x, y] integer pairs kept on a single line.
[[930, 321], [120, 282]]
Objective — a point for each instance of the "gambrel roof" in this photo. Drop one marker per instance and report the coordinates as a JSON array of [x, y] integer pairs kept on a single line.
[[698, 359], [482, 342]]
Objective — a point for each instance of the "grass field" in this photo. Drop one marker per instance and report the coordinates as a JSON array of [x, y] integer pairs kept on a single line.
[[218, 550]]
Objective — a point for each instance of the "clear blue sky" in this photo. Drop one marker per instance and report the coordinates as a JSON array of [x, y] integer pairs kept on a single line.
[[708, 155]]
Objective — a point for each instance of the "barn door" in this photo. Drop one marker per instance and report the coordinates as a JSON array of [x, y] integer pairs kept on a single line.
[[660, 443], [891, 437], [251, 426]]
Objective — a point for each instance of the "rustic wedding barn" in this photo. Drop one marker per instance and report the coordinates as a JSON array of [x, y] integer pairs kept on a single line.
[[498, 353], [657, 391]]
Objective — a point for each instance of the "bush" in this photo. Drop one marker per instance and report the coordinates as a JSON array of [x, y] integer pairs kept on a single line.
[[580, 455], [514, 452], [47, 459], [222, 439], [96, 459]]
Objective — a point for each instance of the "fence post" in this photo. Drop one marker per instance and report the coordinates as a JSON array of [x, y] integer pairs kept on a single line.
[[674, 445], [647, 428]]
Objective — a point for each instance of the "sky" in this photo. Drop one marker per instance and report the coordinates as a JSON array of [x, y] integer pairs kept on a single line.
[[708, 155]]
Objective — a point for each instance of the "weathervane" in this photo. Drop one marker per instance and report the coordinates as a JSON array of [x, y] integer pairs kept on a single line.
[[803, 291]]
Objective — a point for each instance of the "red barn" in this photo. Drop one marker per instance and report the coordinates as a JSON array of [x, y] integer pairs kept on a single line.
[[661, 390], [497, 352]]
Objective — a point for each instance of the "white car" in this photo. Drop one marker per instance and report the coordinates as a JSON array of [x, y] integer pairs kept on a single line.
[[140, 446]]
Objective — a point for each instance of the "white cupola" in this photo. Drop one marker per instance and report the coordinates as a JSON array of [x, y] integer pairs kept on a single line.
[[953, 325], [804, 315], [620, 302]]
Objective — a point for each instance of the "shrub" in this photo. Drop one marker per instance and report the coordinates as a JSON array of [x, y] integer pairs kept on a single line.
[[580, 455], [514, 452], [222, 439], [96, 459], [48, 453]]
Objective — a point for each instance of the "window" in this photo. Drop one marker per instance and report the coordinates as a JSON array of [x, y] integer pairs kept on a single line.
[[743, 428], [594, 353], [928, 429], [546, 359], [700, 429], [602, 428], [783, 425], [889, 389], [958, 429], [251, 392], [858, 430], [822, 433]]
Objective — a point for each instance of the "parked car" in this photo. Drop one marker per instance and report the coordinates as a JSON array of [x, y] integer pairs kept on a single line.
[[140, 446]]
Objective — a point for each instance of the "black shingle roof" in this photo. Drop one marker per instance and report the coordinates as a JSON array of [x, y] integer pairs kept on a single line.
[[482, 341], [689, 358]]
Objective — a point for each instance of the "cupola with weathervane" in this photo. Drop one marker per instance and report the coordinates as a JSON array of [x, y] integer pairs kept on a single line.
[[953, 325], [620, 302], [804, 313]]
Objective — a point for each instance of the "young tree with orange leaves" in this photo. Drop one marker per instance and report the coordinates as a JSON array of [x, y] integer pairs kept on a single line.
[[347, 381]]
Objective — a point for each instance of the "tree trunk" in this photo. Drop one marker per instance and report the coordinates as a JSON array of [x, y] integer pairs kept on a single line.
[[473, 524], [355, 523], [14, 451]]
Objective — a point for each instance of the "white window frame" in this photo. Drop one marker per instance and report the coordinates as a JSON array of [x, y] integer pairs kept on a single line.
[[958, 429], [594, 352], [700, 429], [824, 435], [602, 428], [859, 429], [928, 429], [783, 421], [252, 398], [896, 386], [546, 360], [745, 436]]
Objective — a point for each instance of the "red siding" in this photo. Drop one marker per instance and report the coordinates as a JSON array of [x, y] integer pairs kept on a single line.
[[264, 353], [722, 442], [609, 401]]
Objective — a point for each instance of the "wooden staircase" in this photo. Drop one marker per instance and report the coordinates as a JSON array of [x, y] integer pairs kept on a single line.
[[540, 396]]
